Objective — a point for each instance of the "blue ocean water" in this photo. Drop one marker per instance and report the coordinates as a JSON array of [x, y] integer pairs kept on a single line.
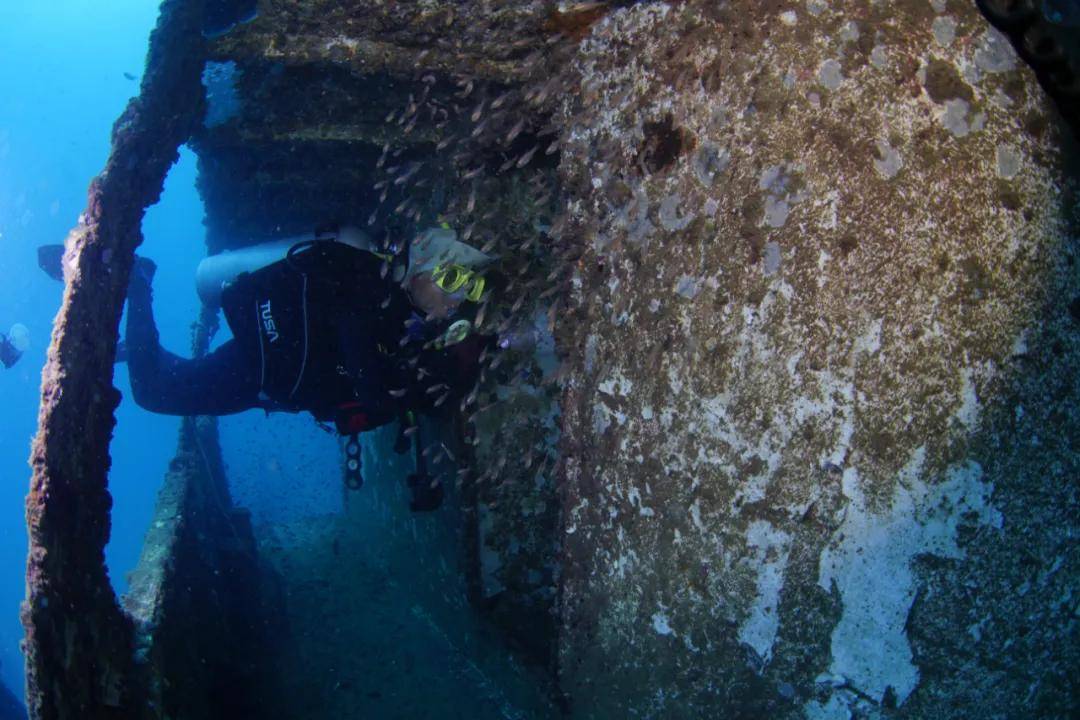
[[62, 76]]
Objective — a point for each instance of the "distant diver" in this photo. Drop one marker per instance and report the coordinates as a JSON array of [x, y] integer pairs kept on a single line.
[[328, 323], [14, 344]]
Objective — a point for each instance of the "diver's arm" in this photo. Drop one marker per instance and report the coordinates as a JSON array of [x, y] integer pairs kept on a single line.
[[219, 383]]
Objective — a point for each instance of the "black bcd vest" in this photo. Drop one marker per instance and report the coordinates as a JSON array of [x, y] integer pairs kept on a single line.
[[321, 329]]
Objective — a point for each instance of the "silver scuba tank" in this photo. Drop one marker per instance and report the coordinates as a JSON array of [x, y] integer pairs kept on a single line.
[[217, 271]]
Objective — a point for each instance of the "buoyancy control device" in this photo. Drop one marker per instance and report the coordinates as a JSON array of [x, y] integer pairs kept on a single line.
[[321, 327]]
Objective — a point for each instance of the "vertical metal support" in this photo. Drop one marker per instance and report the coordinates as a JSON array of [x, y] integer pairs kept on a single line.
[[79, 644]]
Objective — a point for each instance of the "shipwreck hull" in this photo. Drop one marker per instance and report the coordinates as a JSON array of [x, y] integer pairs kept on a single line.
[[839, 240]]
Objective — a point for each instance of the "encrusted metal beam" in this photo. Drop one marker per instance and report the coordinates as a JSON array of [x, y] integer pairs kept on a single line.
[[78, 641]]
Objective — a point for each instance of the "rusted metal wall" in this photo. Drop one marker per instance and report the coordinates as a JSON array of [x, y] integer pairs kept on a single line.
[[820, 431]]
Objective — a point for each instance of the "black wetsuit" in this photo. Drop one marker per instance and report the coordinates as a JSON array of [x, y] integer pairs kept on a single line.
[[321, 331]]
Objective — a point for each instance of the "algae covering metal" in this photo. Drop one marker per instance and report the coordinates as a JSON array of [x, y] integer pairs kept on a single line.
[[312, 103], [820, 430]]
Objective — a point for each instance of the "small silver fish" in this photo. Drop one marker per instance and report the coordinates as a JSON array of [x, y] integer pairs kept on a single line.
[[515, 131], [478, 111]]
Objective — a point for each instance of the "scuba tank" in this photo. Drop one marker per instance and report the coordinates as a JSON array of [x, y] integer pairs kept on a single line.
[[433, 250], [217, 271]]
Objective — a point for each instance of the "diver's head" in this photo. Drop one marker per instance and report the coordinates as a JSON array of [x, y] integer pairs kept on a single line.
[[432, 299]]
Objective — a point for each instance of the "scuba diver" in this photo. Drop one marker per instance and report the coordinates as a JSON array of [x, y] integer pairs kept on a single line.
[[329, 324], [14, 344]]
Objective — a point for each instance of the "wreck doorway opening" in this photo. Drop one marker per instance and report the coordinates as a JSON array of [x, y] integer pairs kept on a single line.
[[348, 601], [143, 442]]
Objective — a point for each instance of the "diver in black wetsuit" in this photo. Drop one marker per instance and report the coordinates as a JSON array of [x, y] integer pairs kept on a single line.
[[327, 329]]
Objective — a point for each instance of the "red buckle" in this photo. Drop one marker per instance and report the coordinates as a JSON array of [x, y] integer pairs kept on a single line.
[[351, 419]]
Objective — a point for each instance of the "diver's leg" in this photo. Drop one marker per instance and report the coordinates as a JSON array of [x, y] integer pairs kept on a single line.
[[216, 384]]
